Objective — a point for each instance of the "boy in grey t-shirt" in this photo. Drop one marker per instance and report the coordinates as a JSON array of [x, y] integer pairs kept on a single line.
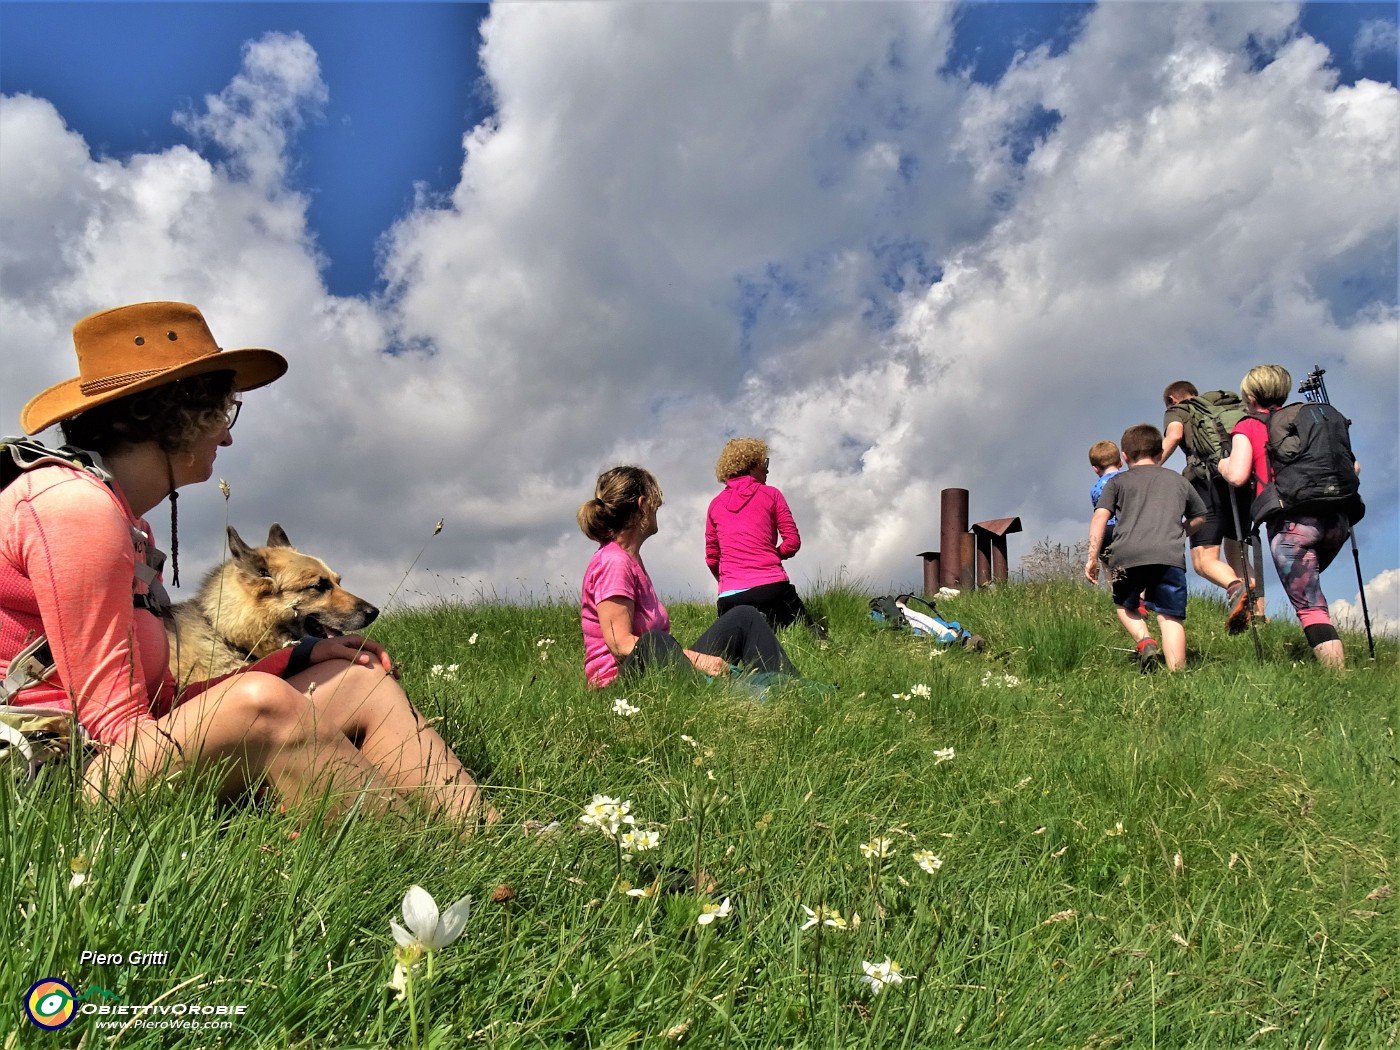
[[1155, 508]]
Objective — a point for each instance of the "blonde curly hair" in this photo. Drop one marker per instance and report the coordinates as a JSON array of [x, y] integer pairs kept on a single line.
[[740, 456]]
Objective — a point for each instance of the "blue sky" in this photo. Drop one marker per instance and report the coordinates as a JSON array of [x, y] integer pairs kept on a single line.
[[899, 240], [404, 89]]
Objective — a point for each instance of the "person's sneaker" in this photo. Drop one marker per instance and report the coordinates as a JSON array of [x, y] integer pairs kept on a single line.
[[1237, 604], [1149, 656]]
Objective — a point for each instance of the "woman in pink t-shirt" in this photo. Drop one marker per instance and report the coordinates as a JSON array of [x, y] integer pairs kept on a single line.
[[155, 401], [625, 626], [1302, 541], [749, 533]]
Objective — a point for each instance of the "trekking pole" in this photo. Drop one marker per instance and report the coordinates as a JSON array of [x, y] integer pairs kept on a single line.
[[1365, 613], [1248, 587], [1314, 389]]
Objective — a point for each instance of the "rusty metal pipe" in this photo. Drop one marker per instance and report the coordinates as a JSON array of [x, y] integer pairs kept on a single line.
[[930, 559], [951, 528]]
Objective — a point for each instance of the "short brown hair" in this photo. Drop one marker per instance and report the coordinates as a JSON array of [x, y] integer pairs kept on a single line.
[[1181, 390], [1143, 441], [1104, 455], [740, 456], [614, 503], [173, 416]]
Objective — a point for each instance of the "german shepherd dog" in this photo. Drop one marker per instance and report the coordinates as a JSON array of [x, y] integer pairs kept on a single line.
[[261, 599]]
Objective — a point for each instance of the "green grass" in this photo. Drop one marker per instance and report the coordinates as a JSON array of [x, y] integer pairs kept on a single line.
[[1061, 916]]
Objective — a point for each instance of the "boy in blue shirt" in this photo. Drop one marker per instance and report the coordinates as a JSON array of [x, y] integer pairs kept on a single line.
[[1107, 461]]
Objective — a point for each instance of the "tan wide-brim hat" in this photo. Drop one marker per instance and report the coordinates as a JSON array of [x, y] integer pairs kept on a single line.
[[140, 347]]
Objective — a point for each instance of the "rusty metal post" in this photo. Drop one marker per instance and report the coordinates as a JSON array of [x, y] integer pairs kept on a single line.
[[969, 559], [991, 539], [984, 559], [930, 572], [999, 569], [951, 528]]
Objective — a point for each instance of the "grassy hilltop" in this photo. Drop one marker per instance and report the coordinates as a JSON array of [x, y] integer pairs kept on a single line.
[[1073, 855]]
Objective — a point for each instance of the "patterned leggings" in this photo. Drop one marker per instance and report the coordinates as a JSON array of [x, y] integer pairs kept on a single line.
[[1302, 547]]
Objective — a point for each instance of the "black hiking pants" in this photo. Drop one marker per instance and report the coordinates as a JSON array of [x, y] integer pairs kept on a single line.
[[778, 602], [741, 636]]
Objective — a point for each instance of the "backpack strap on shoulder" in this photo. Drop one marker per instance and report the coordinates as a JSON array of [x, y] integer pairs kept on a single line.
[[32, 664]]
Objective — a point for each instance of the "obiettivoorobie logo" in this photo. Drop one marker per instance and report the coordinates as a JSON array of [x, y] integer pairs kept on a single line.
[[51, 1003]]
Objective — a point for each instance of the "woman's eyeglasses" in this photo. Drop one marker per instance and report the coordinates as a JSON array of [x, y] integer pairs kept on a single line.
[[231, 414]]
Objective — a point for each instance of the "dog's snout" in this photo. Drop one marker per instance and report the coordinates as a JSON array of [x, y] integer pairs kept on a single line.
[[369, 612]]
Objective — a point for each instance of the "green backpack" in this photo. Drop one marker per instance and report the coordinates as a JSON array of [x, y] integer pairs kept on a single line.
[[1209, 419]]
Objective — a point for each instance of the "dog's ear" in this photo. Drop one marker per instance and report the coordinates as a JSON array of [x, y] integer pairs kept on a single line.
[[244, 556], [277, 537]]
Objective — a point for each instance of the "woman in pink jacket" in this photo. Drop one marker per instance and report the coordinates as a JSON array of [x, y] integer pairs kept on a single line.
[[749, 533]]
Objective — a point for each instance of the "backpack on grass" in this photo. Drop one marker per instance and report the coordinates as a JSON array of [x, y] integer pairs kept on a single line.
[[1209, 419], [896, 612], [1311, 464]]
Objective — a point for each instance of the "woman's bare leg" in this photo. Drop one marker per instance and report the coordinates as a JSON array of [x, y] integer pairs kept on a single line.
[[256, 728], [370, 708]]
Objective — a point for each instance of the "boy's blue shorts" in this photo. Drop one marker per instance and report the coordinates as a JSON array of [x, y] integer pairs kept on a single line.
[[1161, 587]]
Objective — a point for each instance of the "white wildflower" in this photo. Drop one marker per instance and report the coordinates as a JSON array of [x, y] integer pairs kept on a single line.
[[925, 859], [943, 754], [622, 707], [877, 848], [710, 912], [822, 916], [428, 929], [879, 976], [607, 813], [639, 841]]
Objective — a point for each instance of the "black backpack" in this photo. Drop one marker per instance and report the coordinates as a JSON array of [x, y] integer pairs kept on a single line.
[[19, 454], [1311, 463]]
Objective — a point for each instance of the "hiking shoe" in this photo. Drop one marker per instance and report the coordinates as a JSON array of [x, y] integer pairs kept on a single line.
[[1149, 656], [1237, 602]]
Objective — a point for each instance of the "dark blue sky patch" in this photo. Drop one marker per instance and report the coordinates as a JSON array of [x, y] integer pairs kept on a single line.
[[1033, 129], [905, 265], [764, 300], [987, 36], [1260, 53], [415, 345], [1338, 26]]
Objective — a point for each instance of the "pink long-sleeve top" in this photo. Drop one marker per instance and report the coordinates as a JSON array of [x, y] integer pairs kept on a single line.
[[749, 532], [67, 571]]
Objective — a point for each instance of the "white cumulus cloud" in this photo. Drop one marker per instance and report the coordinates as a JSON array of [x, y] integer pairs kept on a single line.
[[1382, 603]]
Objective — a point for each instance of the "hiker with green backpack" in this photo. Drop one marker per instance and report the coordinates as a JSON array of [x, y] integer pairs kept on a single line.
[[1201, 424]]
